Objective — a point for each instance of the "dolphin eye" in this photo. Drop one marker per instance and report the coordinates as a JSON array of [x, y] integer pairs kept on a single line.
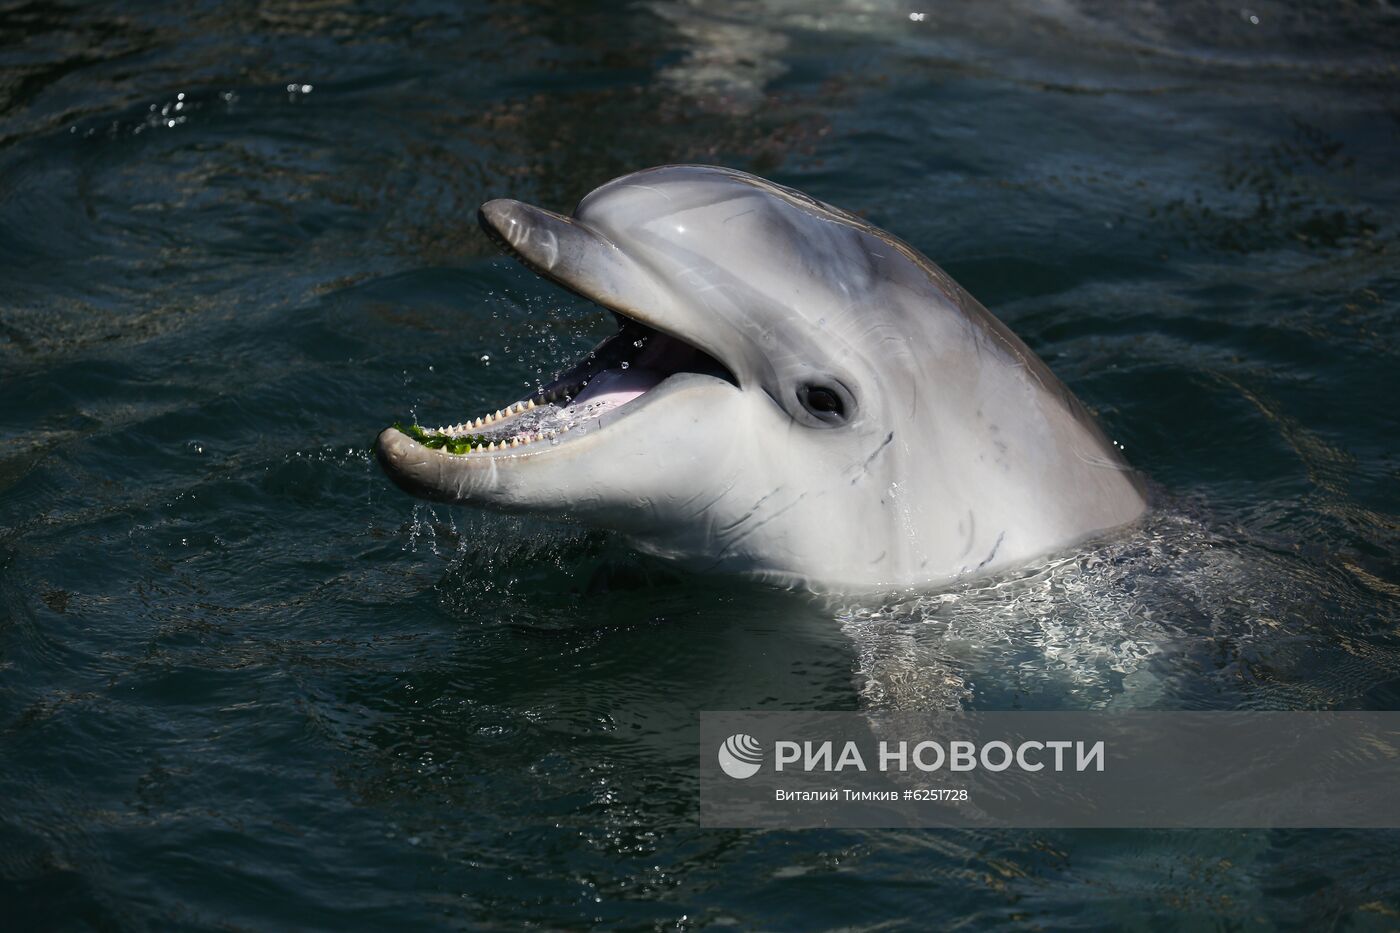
[[826, 403], [823, 401]]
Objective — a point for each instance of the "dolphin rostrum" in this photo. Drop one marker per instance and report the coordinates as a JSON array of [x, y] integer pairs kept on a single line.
[[792, 394]]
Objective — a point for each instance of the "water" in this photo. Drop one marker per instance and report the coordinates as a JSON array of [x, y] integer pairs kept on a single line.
[[246, 683]]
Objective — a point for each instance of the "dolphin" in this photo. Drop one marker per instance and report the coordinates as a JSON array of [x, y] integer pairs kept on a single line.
[[792, 394]]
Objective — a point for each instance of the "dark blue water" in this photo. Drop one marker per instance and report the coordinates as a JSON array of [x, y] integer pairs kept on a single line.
[[244, 683]]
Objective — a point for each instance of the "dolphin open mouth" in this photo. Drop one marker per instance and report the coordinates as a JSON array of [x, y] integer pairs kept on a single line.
[[626, 367], [622, 369]]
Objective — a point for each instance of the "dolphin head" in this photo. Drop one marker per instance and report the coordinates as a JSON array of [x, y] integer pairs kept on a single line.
[[792, 393]]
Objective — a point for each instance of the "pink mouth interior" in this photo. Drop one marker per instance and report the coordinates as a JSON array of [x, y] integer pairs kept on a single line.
[[662, 357], [614, 387], [618, 372]]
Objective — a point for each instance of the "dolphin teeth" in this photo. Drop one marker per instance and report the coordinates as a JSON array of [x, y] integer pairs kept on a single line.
[[519, 407], [514, 442], [530, 404]]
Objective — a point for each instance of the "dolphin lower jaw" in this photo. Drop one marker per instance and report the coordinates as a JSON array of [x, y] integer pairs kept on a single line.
[[558, 470]]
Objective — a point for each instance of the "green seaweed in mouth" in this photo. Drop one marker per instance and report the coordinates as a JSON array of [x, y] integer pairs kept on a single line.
[[454, 445]]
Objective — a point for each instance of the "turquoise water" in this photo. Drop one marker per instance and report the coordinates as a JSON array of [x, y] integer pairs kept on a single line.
[[245, 683]]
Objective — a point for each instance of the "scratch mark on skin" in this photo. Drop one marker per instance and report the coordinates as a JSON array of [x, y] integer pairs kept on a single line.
[[653, 189], [971, 532], [730, 546], [740, 214], [708, 505], [749, 514], [988, 559], [870, 459]]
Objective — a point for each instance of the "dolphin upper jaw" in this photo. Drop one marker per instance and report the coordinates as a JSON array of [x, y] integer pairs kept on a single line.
[[571, 253]]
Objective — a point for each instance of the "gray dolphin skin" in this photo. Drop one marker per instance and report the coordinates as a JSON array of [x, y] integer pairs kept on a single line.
[[792, 394]]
